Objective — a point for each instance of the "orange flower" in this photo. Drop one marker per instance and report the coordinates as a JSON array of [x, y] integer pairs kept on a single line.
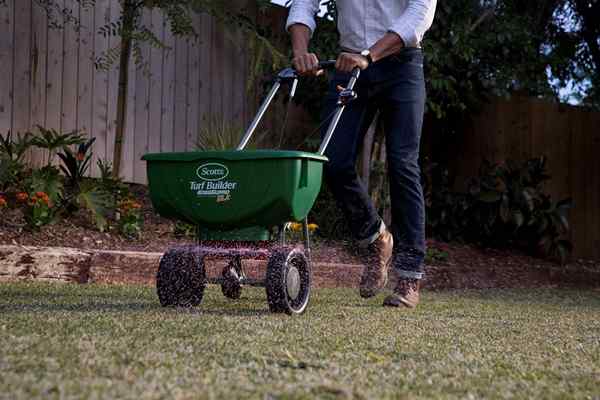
[[22, 197], [3, 202], [41, 194], [127, 205]]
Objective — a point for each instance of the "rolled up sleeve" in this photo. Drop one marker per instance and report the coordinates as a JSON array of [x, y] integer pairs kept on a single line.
[[415, 21], [303, 12]]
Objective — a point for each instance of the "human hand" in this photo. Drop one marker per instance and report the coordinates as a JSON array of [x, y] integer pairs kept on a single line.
[[307, 64], [347, 62]]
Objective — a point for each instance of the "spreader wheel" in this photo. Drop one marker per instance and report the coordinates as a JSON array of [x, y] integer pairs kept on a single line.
[[288, 281], [231, 286], [181, 278]]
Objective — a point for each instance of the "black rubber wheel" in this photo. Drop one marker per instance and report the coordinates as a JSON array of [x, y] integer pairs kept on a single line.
[[181, 278], [288, 281], [231, 287]]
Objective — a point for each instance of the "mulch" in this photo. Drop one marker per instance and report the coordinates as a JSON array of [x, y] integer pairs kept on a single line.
[[466, 266]]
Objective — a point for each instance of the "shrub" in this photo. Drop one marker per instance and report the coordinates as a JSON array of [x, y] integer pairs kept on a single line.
[[505, 206], [52, 141], [130, 219], [12, 150], [38, 210], [110, 184], [82, 192]]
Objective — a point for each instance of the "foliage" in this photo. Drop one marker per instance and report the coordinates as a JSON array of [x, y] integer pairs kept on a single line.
[[505, 206], [81, 192], [109, 183], [14, 147], [38, 210], [53, 140], [130, 219], [478, 48], [218, 134], [184, 229], [435, 254], [76, 165], [97, 201], [46, 179], [12, 151]]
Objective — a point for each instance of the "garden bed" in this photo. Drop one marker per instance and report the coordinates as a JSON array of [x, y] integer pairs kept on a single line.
[[449, 265]]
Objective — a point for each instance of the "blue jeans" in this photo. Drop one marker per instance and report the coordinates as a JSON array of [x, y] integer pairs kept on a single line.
[[395, 87]]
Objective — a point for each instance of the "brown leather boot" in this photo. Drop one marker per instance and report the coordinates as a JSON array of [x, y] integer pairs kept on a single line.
[[377, 262], [406, 293]]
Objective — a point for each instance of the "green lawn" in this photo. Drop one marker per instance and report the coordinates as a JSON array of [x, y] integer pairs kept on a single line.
[[69, 341]]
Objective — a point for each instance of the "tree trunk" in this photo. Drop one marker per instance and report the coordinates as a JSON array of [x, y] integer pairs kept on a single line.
[[129, 12]]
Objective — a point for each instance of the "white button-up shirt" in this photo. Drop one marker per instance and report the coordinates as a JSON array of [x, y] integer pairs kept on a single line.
[[362, 23]]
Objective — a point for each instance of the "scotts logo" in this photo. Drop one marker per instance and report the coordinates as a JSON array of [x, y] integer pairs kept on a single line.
[[212, 172]]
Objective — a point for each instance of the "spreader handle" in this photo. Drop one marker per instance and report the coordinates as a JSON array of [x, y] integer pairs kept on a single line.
[[339, 112], [329, 64], [263, 108]]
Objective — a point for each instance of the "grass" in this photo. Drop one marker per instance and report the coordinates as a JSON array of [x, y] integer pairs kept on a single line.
[[69, 341]]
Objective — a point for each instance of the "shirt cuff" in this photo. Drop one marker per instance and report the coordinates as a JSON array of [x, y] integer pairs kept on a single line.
[[298, 19], [406, 33]]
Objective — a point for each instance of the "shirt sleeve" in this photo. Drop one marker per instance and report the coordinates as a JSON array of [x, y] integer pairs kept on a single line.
[[303, 12], [415, 21]]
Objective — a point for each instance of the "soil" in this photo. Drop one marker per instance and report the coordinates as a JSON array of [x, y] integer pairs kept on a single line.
[[78, 231]]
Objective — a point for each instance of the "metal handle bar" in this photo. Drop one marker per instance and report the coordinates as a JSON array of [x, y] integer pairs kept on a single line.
[[290, 74], [349, 90]]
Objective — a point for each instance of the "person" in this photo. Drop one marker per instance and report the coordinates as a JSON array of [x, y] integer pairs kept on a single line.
[[383, 38]]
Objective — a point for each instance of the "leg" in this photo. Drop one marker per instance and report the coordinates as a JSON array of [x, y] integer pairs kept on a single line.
[[340, 171], [402, 106]]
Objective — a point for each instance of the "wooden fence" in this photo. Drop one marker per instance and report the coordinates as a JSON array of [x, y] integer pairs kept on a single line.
[[47, 77], [568, 136]]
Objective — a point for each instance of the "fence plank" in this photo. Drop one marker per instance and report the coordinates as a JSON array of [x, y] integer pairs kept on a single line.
[[594, 222], [7, 26], [39, 55], [128, 152], [100, 84], [181, 82], [155, 90], [22, 67], [168, 90], [85, 80], [205, 80], [142, 92], [113, 86], [70, 73], [193, 94], [55, 76], [216, 57], [589, 159]]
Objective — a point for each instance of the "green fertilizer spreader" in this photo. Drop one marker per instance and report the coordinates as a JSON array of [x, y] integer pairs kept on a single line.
[[241, 202]]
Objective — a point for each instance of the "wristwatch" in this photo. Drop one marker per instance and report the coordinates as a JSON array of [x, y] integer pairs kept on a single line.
[[367, 54]]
